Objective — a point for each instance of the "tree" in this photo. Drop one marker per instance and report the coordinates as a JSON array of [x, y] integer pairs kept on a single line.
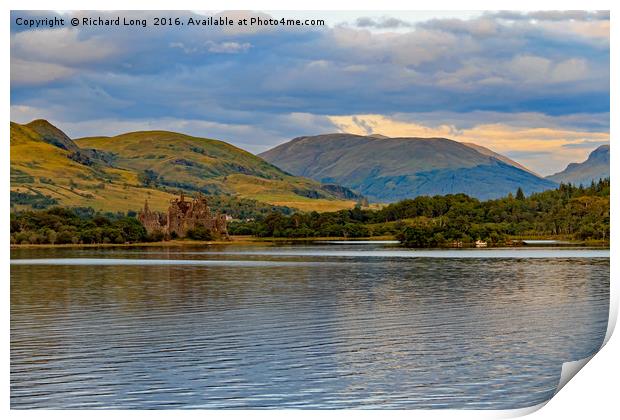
[[417, 237], [148, 177], [520, 196]]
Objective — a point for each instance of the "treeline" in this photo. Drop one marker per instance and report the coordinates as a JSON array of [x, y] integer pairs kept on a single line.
[[36, 201], [571, 212], [75, 226]]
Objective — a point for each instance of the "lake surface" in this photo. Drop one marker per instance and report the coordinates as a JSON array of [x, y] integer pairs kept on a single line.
[[331, 325]]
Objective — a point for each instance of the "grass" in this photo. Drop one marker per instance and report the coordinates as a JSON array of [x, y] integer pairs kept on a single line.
[[280, 193], [74, 184], [183, 161]]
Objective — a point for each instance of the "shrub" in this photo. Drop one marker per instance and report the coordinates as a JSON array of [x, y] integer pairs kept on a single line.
[[199, 233]]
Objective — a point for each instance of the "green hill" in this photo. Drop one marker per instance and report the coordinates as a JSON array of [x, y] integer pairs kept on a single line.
[[391, 169], [119, 173]]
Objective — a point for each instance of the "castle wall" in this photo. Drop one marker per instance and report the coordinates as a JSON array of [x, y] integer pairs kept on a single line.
[[183, 216]]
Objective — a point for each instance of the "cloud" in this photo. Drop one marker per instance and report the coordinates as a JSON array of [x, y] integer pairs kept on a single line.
[[570, 70], [228, 47], [25, 114], [491, 75], [382, 23], [183, 47], [589, 145], [24, 73], [365, 127], [440, 64], [480, 27], [553, 15], [61, 46]]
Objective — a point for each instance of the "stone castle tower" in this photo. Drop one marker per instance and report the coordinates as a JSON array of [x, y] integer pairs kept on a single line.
[[183, 216]]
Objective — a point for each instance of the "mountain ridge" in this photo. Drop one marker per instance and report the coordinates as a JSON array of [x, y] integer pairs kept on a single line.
[[595, 167], [119, 172], [388, 169]]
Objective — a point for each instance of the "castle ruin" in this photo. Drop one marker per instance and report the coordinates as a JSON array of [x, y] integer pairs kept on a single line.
[[183, 216]]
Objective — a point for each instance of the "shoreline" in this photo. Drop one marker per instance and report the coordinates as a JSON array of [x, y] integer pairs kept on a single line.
[[243, 240], [234, 240], [252, 240]]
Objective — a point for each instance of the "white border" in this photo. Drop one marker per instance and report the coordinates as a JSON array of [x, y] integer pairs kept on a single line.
[[592, 394]]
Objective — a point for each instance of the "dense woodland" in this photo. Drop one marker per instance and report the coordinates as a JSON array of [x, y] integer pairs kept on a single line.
[[568, 212], [76, 225]]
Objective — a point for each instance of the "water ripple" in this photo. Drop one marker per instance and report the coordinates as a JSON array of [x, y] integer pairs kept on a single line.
[[291, 327]]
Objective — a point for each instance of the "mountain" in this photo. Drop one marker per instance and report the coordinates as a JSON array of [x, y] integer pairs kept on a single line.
[[391, 169], [507, 160], [44, 169], [119, 173], [52, 135], [592, 169]]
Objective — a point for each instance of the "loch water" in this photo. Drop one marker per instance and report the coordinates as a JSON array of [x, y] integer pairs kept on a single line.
[[326, 325]]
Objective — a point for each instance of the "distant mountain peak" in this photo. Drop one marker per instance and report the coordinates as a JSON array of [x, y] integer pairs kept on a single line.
[[396, 168], [600, 152], [595, 167]]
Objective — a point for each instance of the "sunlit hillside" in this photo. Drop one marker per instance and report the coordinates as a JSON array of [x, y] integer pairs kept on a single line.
[[119, 173]]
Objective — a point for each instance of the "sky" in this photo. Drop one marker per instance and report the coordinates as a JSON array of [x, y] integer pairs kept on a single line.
[[533, 86]]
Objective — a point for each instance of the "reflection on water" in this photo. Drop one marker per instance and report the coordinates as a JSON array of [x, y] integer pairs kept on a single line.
[[299, 327]]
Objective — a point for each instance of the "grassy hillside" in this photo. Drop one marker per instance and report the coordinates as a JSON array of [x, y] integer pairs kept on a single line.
[[119, 173], [391, 169], [39, 168], [176, 160]]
